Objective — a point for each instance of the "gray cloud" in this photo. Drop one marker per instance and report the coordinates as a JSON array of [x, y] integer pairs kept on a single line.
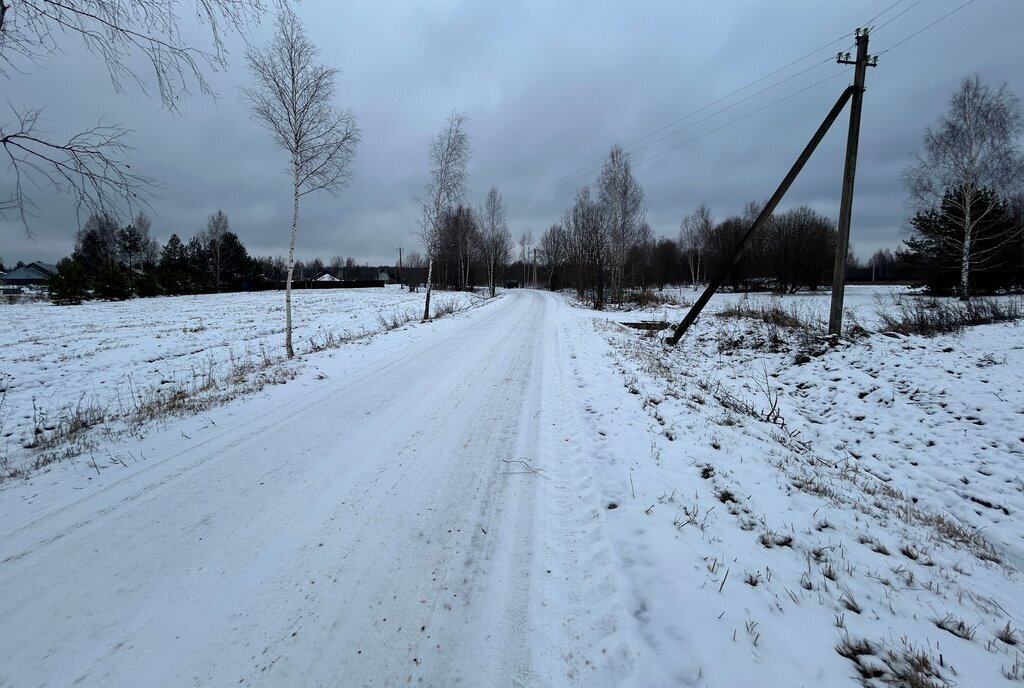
[[548, 88]]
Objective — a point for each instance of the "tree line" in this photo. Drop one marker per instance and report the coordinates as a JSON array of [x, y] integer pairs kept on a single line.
[[115, 262], [605, 249], [966, 236]]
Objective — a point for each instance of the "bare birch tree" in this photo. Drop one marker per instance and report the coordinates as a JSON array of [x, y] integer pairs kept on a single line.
[[622, 197], [973, 161], [525, 244], [693, 234], [293, 98], [92, 165], [554, 247], [217, 228], [449, 155], [495, 237], [589, 245]]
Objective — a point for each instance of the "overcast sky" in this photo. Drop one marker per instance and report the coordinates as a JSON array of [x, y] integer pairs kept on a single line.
[[548, 88]]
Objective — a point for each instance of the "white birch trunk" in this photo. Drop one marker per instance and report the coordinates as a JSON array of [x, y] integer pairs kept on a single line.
[[965, 256], [291, 262], [430, 281]]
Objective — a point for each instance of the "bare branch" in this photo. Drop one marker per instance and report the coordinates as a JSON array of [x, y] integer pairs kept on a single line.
[[117, 31], [90, 166], [293, 98]]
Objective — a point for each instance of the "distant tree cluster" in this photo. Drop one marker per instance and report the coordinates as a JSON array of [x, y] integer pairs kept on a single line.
[[793, 251], [117, 262], [604, 247], [472, 247], [967, 234]]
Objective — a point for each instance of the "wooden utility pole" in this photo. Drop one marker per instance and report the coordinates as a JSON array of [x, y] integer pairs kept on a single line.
[[766, 212], [400, 265], [863, 61]]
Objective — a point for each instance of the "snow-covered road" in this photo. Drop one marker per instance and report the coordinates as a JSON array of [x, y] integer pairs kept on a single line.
[[369, 525]]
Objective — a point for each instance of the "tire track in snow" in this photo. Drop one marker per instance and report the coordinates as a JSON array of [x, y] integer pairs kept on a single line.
[[382, 542]]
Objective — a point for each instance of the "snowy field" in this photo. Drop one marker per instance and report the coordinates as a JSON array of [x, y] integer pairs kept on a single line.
[[529, 493], [69, 373], [805, 519]]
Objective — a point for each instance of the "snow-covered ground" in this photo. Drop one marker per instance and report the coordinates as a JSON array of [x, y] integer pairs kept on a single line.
[[113, 366], [528, 493], [864, 498]]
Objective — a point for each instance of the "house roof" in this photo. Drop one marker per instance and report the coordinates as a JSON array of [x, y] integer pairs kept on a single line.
[[32, 271]]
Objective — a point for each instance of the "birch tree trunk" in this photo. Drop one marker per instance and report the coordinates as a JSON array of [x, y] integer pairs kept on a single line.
[[291, 262], [965, 256], [430, 281]]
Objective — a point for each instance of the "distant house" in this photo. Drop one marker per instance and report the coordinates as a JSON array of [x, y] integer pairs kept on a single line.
[[327, 277], [32, 274], [383, 276]]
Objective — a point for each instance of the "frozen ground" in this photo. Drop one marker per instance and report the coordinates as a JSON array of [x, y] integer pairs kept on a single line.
[[113, 366], [864, 499], [528, 493]]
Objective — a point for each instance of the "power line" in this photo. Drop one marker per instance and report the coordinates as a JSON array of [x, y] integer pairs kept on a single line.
[[883, 12], [554, 185], [562, 181], [738, 102], [894, 18], [695, 138], [925, 28], [571, 177], [752, 83], [743, 117], [556, 182]]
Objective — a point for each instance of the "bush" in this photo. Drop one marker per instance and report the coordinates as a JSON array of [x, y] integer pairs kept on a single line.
[[69, 285], [929, 317]]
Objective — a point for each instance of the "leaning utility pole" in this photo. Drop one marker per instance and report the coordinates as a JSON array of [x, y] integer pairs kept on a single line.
[[863, 61], [762, 217], [854, 93]]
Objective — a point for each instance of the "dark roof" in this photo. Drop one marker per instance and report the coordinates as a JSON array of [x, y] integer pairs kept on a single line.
[[32, 271]]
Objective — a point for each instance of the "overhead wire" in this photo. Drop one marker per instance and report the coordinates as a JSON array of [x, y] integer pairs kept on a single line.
[[567, 179], [893, 18], [531, 198], [695, 138], [540, 191], [928, 26], [743, 117], [875, 18]]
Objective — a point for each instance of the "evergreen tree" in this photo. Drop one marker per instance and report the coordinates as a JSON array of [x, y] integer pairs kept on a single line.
[[173, 270], [69, 285], [935, 247]]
